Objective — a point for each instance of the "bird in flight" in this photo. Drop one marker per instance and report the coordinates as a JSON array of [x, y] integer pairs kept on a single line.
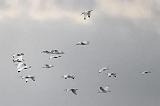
[[110, 74], [68, 76], [46, 51], [104, 69], [18, 54], [56, 52], [53, 52], [86, 14], [55, 57], [47, 66], [104, 89], [73, 90], [18, 57], [20, 65], [27, 77], [25, 67], [83, 43], [145, 72]]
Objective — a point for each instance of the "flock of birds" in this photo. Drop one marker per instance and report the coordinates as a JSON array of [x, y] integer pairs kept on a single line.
[[19, 61]]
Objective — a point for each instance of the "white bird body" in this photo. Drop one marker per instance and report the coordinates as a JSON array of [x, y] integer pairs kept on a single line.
[[57, 52], [73, 90], [47, 66], [18, 58], [67, 76], [20, 65], [27, 77], [146, 72], [18, 54], [46, 51], [83, 43], [110, 74], [104, 89], [103, 69], [53, 52], [58, 56], [23, 68]]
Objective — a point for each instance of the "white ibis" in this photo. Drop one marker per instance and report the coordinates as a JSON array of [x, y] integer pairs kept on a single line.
[[104, 69], [18, 58], [23, 68], [27, 77], [56, 52], [68, 76], [104, 89], [20, 65], [146, 72], [86, 14], [47, 66], [110, 74], [58, 56], [18, 54], [73, 90], [53, 52], [46, 51], [83, 43]]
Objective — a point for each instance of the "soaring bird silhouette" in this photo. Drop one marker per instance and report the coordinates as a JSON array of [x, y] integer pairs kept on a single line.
[[27, 77], [73, 90], [104, 89], [86, 14]]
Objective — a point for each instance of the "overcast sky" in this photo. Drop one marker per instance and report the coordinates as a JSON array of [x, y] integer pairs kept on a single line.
[[124, 34]]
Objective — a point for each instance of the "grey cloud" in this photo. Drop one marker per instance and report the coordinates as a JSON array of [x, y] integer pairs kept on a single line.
[[129, 46], [76, 4], [3, 4]]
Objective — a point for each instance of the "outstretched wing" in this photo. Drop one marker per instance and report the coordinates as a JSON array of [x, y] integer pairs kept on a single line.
[[71, 76], [89, 13], [107, 89], [85, 42], [33, 78], [74, 91]]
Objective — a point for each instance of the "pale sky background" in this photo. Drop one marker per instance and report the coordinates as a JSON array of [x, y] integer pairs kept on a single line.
[[124, 34]]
